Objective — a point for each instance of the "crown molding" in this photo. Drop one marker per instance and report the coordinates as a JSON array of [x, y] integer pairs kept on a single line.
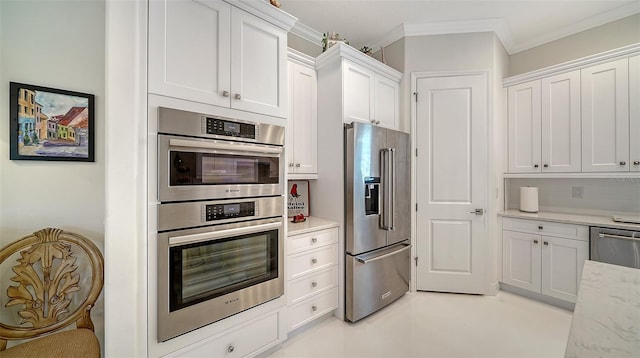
[[307, 33], [341, 50], [297, 56], [586, 24], [264, 10]]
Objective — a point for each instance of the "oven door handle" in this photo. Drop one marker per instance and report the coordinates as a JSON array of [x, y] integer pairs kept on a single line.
[[214, 235], [633, 238], [175, 142]]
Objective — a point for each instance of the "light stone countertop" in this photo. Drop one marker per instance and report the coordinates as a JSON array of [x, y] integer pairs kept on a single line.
[[606, 319], [310, 225], [590, 220]]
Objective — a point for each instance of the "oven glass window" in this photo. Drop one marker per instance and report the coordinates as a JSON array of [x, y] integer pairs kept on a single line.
[[203, 271], [192, 168]]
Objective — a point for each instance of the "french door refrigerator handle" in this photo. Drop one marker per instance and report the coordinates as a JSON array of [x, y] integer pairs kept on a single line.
[[392, 189], [385, 154]]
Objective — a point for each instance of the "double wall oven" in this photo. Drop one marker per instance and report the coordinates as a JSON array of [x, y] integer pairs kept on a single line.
[[220, 218]]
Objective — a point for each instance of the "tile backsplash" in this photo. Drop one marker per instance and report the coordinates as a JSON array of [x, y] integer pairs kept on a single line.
[[581, 196]]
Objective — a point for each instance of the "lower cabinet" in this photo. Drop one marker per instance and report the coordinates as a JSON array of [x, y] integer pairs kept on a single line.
[[544, 257], [247, 340], [312, 262]]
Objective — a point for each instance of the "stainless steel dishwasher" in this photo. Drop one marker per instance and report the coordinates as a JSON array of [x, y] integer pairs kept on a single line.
[[615, 246]]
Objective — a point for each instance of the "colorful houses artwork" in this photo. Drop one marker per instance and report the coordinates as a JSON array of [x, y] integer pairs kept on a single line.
[[51, 124]]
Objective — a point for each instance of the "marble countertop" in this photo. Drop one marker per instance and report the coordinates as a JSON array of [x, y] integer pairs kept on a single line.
[[311, 224], [591, 220], [606, 319]]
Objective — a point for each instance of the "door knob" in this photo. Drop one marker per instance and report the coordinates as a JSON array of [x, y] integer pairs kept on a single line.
[[477, 211]]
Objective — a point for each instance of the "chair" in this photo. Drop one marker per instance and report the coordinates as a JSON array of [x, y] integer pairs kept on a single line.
[[47, 294]]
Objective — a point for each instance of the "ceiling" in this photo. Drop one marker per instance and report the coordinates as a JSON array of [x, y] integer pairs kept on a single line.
[[520, 24]]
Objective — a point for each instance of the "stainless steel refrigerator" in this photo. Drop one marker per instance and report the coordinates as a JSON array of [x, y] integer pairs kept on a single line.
[[377, 217]]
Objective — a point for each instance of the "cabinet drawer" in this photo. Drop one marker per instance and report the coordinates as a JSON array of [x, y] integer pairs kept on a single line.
[[306, 286], [309, 241], [246, 340], [569, 231], [307, 262], [312, 308]]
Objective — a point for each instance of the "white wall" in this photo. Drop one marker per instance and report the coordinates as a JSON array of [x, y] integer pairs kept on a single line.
[[57, 44], [623, 32]]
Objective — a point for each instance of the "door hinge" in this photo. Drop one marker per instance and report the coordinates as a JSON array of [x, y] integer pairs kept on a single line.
[[416, 94], [416, 152], [416, 258], [416, 206]]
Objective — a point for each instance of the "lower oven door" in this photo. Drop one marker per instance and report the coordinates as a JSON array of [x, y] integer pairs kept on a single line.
[[207, 274]]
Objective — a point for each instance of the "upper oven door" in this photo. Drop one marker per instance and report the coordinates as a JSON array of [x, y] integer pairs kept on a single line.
[[201, 169]]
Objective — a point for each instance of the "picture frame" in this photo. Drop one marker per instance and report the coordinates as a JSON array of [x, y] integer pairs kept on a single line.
[[50, 124], [298, 198]]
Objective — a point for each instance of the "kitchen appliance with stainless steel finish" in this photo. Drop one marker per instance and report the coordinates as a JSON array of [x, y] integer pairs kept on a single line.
[[378, 218], [615, 246], [202, 157]]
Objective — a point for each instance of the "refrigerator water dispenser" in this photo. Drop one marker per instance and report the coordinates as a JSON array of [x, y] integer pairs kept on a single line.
[[372, 195]]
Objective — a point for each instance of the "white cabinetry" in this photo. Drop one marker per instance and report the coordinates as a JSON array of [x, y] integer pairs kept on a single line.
[[544, 125], [544, 257], [634, 113], [215, 53], [370, 90], [302, 136], [247, 340], [605, 117], [312, 277]]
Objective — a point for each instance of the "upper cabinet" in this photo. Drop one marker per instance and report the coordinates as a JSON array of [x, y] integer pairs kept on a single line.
[[370, 90], [302, 136], [605, 117], [214, 53], [578, 117], [544, 125]]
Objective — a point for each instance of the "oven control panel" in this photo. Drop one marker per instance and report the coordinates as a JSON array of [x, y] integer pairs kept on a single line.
[[227, 211], [227, 128]]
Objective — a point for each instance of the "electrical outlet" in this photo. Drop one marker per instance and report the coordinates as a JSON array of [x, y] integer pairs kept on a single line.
[[577, 192]]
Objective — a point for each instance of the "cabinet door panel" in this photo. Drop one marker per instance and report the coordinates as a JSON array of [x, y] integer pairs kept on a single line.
[[358, 93], [259, 60], [189, 50], [387, 94], [524, 115], [561, 148], [562, 262], [605, 117], [303, 121], [634, 113], [521, 260]]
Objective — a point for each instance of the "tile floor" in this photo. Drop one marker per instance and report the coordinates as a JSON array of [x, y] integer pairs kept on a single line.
[[427, 324]]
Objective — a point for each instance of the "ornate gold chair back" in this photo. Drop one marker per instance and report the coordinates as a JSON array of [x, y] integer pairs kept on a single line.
[[47, 293]]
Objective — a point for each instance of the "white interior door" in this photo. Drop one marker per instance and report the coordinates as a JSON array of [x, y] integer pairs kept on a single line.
[[451, 177]]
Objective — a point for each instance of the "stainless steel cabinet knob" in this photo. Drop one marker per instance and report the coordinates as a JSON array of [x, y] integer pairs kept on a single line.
[[546, 243], [314, 284], [230, 349], [540, 227], [623, 163], [290, 165], [377, 122], [225, 93], [535, 242], [546, 165], [297, 165], [238, 96], [314, 261], [535, 165], [314, 240], [314, 308], [636, 162]]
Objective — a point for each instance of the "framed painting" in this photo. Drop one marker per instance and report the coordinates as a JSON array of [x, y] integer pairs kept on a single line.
[[50, 124], [298, 198]]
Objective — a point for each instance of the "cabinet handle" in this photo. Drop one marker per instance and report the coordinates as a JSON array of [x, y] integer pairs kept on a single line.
[[636, 162], [314, 308], [230, 349], [297, 165], [225, 93], [623, 163], [546, 165], [314, 240], [540, 227], [237, 96], [535, 242], [546, 243], [314, 284], [290, 165], [314, 261], [535, 165]]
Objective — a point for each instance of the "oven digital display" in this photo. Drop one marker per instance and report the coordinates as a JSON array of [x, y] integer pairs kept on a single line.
[[232, 127], [229, 211]]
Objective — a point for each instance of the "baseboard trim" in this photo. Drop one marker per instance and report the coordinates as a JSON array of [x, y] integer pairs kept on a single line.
[[569, 306]]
